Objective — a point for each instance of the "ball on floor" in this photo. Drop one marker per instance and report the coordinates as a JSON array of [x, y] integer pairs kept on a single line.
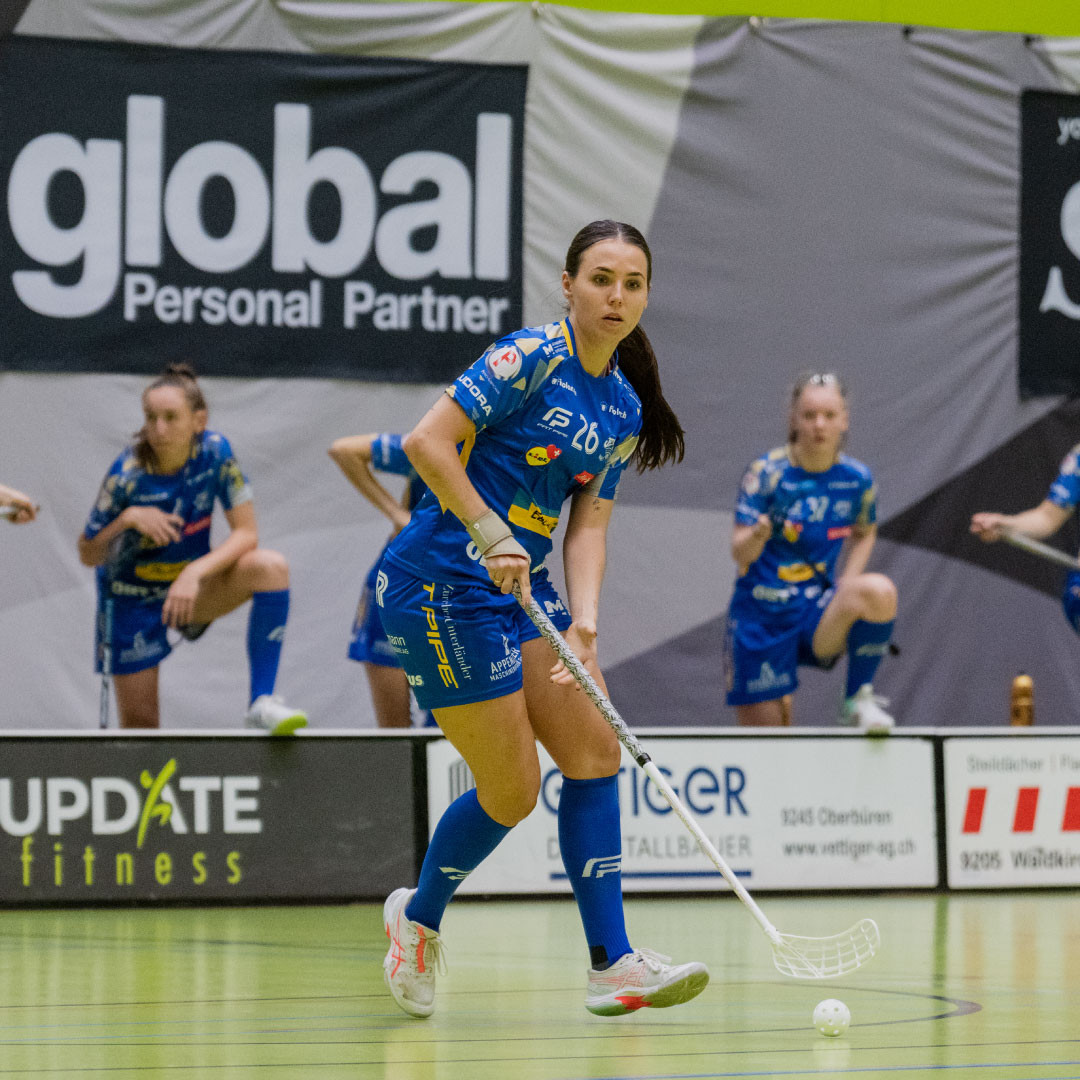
[[831, 1017]]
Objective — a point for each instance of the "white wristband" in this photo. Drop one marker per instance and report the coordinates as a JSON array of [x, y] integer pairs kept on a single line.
[[492, 536], [487, 530]]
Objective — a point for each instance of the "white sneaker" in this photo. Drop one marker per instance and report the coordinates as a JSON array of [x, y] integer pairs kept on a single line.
[[864, 709], [415, 954], [643, 979], [270, 714]]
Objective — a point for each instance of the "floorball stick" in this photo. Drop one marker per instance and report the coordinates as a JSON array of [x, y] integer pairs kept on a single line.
[[1037, 547], [799, 957]]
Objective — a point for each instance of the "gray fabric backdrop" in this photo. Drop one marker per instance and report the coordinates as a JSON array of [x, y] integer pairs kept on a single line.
[[839, 196]]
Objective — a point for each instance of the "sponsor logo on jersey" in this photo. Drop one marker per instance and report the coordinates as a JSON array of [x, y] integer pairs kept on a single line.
[[533, 519], [556, 381], [772, 596], [838, 485], [197, 526], [542, 455], [792, 529], [505, 363], [842, 508], [613, 409], [794, 572], [584, 477], [838, 532], [751, 484], [160, 571]]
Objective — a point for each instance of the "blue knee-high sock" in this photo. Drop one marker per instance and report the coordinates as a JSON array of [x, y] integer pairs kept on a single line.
[[590, 838], [866, 644], [465, 836], [265, 633]]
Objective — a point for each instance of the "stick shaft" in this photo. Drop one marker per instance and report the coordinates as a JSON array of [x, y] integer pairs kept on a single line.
[[637, 752], [1037, 547]]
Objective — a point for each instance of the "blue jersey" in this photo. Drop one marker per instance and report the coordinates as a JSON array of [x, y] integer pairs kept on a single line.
[[814, 513], [1065, 490], [387, 456], [545, 428], [210, 473]]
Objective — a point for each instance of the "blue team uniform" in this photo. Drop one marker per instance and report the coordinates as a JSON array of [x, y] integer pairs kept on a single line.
[[1065, 492], [545, 428], [367, 643], [138, 588], [780, 597]]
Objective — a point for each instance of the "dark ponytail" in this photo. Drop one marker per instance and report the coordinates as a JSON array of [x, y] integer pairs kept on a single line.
[[662, 436], [182, 376]]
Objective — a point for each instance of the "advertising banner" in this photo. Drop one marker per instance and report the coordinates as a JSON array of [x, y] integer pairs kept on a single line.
[[262, 214], [105, 819], [796, 813], [1049, 243], [1012, 812]]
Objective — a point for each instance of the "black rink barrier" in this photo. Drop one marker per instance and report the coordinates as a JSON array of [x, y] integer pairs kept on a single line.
[[112, 818]]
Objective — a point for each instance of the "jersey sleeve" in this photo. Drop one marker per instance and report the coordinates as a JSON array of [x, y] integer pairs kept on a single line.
[[112, 500], [868, 505], [1065, 490], [233, 488], [753, 498], [498, 384], [613, 470], [388, 456]]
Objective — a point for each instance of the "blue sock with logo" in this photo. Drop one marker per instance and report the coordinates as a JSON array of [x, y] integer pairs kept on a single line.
[[265, 633], [866, 644], [465, 836], [590, 838]]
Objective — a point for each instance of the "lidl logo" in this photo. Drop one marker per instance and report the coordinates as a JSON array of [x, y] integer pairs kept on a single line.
[[542, 455]]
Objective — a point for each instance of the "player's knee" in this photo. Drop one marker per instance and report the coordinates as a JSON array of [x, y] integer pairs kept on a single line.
[[877, 594], [510, 805], [269, 568]]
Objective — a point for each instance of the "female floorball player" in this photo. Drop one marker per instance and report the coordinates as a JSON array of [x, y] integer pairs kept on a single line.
[[163, 488], [797, 506], [16, 506], [545, 414], [1042, 521], [356, 455]]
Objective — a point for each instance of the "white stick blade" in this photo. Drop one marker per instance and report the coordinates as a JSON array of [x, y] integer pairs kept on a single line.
[[826, 958]]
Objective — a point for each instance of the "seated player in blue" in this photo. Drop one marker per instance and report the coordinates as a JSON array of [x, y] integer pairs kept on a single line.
[[798, 506], [1042, 521], [356, 456], [546, 414], [155, 507]]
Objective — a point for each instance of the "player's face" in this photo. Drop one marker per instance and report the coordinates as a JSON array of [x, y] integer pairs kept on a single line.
[[610, 292], [819, 419], [170, 423]]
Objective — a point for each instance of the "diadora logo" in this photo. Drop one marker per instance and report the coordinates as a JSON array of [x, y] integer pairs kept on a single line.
[[597, 868], [454, 874], [768, 679], [1024, 810]]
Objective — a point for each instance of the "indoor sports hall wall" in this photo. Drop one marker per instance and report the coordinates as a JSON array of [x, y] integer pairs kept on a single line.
[[817, 195]]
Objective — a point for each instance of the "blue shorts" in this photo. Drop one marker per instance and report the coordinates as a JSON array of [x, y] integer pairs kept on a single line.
[[368, 644], [762, 653], [139, 638], [459, 643], [1070, 599]]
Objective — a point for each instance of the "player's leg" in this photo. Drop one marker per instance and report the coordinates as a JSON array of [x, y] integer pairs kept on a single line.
[[760, 667], [1070, 599], [456, 643], [390, 697], [497, 744], [859, 617], [387, 682], [583, 746], [137, 698], [261, 576]]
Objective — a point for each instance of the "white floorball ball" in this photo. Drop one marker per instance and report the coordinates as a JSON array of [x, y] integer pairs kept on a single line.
[[831, 1017]]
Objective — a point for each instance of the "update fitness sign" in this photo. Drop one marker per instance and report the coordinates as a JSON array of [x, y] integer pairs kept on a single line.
[[265, 214]]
